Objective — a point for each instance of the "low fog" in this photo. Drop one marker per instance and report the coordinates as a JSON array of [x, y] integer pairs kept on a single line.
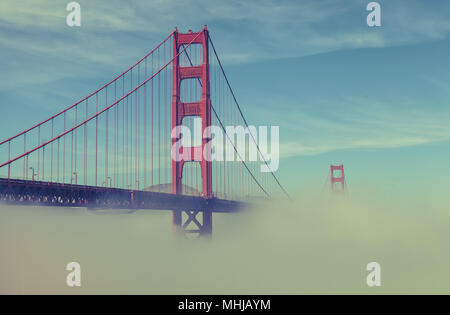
[[318, 243]]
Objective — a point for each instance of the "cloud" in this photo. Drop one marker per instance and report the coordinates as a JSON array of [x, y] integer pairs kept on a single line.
[[114, 35], [361, 124], [264, 29], [291, 149]]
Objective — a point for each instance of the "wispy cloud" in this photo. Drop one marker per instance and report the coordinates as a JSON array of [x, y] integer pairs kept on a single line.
[[362, 124], [114, 33], [264, 29]]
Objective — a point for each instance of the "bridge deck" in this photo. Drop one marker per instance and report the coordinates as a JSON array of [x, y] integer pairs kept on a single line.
[[68, 195]]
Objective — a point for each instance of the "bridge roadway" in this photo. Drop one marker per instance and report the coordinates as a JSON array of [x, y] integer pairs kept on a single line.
[[27, 192]]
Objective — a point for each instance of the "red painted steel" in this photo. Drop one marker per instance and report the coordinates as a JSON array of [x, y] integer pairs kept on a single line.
[[337, 179], [200, 109]]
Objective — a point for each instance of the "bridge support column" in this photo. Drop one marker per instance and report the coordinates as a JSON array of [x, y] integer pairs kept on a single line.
[[201, 218], [192, 222]]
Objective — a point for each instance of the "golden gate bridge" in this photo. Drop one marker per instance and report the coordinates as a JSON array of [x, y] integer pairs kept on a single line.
[[113, 148]]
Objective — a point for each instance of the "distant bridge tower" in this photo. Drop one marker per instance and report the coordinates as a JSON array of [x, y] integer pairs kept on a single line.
[[337, 178], [200, 109]]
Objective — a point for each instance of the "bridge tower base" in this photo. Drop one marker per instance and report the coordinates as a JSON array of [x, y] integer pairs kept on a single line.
[[193, 222]]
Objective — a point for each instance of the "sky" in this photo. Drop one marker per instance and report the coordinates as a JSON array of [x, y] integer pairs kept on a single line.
[[373, 98]]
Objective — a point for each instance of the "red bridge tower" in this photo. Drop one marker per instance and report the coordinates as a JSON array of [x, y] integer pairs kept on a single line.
[[200, 109], [337, 177]]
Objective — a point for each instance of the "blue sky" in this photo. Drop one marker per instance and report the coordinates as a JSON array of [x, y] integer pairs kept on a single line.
[[375, 99]]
